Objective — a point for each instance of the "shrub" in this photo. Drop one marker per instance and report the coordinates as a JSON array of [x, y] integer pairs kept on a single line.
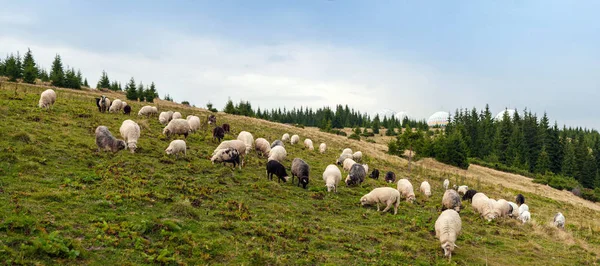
[[354, 136]]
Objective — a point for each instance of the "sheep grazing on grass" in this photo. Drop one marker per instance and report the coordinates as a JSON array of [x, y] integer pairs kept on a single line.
[[176, 115], [469, 195], [212, 119], [248, 139], [229, 155], [127, 110], [100, 104], [309, 144], [165, 117], [342, 158], [177, 127], [525, 217], [426, 189], [446, 184], [347, 151], [322, 148], [559, 220], [106, 141], [385, 195], [484, 206], [300, 169], [277, 153], [236, 144], [226, 128], [356, 176], [503, 208], [194, 122], [348, 163], [514, 210], [366, 166], [332, 177], [176, 147], [462, 190], [447, 228], [116, 106], [276, 168], [390, 177], [357, 156], [285, 137], [451, 200], [520, 199], [147, 111], [295, 139], [406, 190], [374, 174], [523, 208], [218, 133], [263, 147], [47, 98], [277, 143], [130, 131]]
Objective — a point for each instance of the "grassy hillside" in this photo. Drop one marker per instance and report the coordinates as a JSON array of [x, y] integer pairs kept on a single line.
[[65, 203]]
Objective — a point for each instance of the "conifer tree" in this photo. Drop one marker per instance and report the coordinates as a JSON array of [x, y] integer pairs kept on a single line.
[[131, 91], [11, 68], [229, 107], [543, 163], [104, 82], [57, 75], [376, 125], [151, 93], [85, 83], [79, 77], [30, 70], [141, 92]]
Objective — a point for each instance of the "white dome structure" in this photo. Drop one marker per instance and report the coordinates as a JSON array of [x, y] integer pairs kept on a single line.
[[401, 115], [384, 113], [499, 116], [438, 119]]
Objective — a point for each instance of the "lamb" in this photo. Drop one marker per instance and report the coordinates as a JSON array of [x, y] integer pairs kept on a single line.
[[127, 109], [385, 195], [446, 184], [515, 210], [426, 189], [348, 163], [47, 99], [194, 122], [277, 143], [212, 119], [277, 153], [165, 117], [332, 177], [462, 190], [559, 220], [176, 115], [356, 176], [130, 131], [406, 190], [357, 156], [263, 147], [300, 169], [447, 228], [285, 137], [226, 128], [106, 141], [176, 147], [218, 133], [322, 148], [342, 158], [374, 174], [277, 169], [390, 177], [484, 206], [147, 111], [308, 144], [525, 216], [520, 199], [177, 127], [469, 195], [116, 106], [451, 200], [523, 208], [228, 155], [347, 151], [295, 139], [503, 208], [236, 144], [248, 139]]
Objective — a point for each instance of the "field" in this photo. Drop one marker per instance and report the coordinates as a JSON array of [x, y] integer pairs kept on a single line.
[[65, 203]]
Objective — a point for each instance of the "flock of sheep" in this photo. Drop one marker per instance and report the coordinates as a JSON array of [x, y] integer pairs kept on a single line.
[[447, 226]]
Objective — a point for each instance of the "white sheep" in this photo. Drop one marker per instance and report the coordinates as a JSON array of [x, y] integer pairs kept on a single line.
[[366, 166], [523, 208], [451, 200], [559, 220], [262, 146], [176, 115], [525, 216], [446, 184], [322, 148], [357, 156], [426, 188], [503, 208], [295, 139], [194, 122], [515, 210], [154, 110], [406, 190], [130, 131], [285, 137], [177, 146], [447, 228], [484, 206], [332, 177], [239, 145], [309, 144], [47, 98], [348, 164], [347, 151], [385, 195], [462, 190], [147, 111], [116, 106], [277, 153], [248, 139], [177, 127], [165, 117]]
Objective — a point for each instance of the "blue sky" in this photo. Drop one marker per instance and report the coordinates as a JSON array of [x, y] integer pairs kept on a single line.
[[413, 56]]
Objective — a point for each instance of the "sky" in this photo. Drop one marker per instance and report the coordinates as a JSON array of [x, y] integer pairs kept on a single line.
[[413, 56]]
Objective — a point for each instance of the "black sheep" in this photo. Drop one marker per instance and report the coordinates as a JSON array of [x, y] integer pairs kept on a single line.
[[226, 128], [127, 109], [374, 174], [520, 199], [390, 177], [277, 143], [276, 168], [469, 195], [218, 133], [98, 104], [300, 169], [212, 119], [356, 176]]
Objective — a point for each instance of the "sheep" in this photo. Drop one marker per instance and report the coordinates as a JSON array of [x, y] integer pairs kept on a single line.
[[127, 109], [176, 147], [277, 143], [520, 199], [357, 156], [348, 163], [332, 176], [342, 158], [374, 174], [503, 208], [116, 106], [212, 119], [103, 104], [390, 177], [176, 115], [147, 111], [469, 195], [218, 133], [248, 139], [447, 228], [98, 103], [356, 176], [446, 184], [300, 169], [406, 190], [451, 200], [347, 151], [228, 155], [106, 141], [277, 169], [514, 210], [154, 110], [295, 139], [525, 216], [277, 153], [226, 128], [322, 148], [484, 206], [165, 117], [130, 131], [559, 220], [462, 189], [385, 195], [47, 99], [177, 127], [426, 189], [366, 166], [523, 208], [308, 144], [236, 144], [263, 147], [194, 122], [285, 137]]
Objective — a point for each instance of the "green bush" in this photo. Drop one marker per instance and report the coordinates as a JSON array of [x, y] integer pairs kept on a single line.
[[354, 136]]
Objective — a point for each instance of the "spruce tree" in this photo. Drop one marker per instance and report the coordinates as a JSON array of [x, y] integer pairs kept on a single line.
[[131, 91], [543, 163], [568, 164], [57, 75], [376, 125], [2, 73], [141, 92], [43, 75], [85, 83], [12, 68], [79, 77], [589, 172], [151, 93], [30, 70], [555, 149], [229, 107], [503, 138], [104, 82]]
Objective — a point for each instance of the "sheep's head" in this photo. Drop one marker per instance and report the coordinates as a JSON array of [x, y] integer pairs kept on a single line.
[[166, 132], [304, 181], [448, 249], [286, 178], [121, 145], [364, 200], [411, 198], [132, 146], [330, 187]]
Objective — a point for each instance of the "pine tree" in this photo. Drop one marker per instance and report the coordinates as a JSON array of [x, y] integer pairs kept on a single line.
[[376, 125], [85, 83], [503, 138], [151, 93], [2, 73], [543, 163], [44, 75], [589, 172], [30, 70], [57, 75], [19, 72], [131, 91], [79, 77], [488, 132], [568, 164], [71, 80], [104, 82], [11, 68], [141, 92], [555, 149]]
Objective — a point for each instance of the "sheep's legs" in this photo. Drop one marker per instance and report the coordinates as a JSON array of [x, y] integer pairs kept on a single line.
[[377, 206], [388, 207]]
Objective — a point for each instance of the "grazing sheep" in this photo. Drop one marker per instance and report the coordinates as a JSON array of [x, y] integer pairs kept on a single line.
[[357, 156], [515, 210], [226, 128], [462, 190], [218, 133], [308, 144], [374, 174], [451, 200], [147, 111], [130, 131], [520, 199], [277, 169], [484, 206], [212, 119], [248, 139], [277, 143], [116, 106], [285, 137], [366, 166], [262, 146], [342, 158], [295, 139], [347, 151], [127, 109], [525, 217], [385, 195], [165, 117], [236, 144], [177, 127], [503, 208], [98, 103], [390, 177], [469, 195], [176, 147], [277, 153], [47, 98], [322, 148], [332, 177], [446, 184], [559, 220], [194, 122], [426, 189], [356, 176], [348, 163], [523, 208], [176, 115], [229, 155], [106, 141], [447, 228], [406, 190], [154, 110], [300, 169]]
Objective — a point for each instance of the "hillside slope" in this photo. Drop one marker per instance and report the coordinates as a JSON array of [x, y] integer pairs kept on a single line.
[[65, 203]]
